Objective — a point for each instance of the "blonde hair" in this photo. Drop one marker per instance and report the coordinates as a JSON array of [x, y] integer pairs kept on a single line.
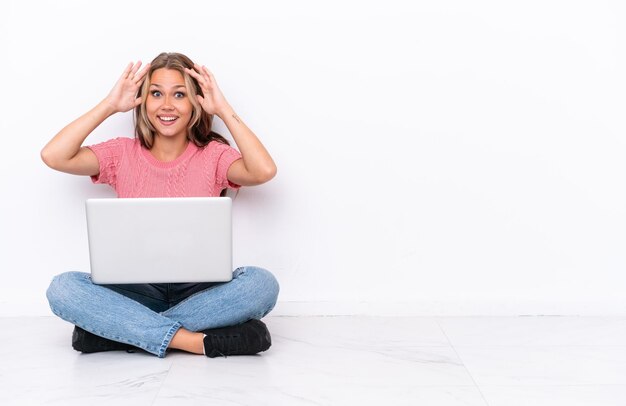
[[199, 127]]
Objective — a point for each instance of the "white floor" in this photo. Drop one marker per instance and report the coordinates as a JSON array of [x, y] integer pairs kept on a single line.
[[495, 361]]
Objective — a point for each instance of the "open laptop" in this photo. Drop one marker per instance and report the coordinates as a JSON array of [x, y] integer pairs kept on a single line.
[[160, 240]]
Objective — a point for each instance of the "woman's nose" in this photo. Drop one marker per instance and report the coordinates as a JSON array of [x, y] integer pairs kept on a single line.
[[167, 102]]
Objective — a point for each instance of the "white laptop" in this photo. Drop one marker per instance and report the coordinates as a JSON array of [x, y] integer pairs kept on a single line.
[[160, 240]]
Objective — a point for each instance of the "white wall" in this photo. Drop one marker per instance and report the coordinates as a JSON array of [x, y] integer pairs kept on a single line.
[[435, 157]]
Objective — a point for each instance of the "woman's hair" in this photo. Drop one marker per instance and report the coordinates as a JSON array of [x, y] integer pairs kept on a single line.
[[199, 128]]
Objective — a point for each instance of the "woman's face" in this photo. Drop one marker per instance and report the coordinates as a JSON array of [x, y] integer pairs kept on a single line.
[[168, 106]]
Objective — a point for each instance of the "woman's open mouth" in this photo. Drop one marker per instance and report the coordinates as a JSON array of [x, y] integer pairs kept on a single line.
[[167, 120]]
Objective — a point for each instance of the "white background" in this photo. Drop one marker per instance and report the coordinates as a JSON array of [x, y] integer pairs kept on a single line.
[[435, 157]]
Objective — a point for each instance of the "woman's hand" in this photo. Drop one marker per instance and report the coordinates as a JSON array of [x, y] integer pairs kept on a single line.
[[123, 96], [213, 101]]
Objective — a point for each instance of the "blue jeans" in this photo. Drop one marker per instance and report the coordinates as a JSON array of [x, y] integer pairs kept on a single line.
[[148, 315]]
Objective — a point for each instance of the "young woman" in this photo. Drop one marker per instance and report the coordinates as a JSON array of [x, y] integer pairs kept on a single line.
[[174, 154]]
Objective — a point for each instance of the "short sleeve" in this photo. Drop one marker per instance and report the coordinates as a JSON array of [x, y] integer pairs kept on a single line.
[[226, 155], [109, 154]]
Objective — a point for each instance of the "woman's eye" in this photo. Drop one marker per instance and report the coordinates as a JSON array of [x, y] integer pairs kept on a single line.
[[156, 93], [179, 95]]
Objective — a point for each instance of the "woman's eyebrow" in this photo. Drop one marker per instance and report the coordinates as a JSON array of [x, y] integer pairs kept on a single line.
[[173, 87]]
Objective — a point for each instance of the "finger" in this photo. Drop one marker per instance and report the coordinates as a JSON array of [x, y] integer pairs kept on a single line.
[[207, 73], [134, 70], [202, 80], [201, 70], [127, 71], [197, 68], [193, 73], [140, 77], [210, 76]]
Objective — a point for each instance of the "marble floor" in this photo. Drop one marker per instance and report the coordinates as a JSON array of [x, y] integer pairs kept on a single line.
[[495, 361]]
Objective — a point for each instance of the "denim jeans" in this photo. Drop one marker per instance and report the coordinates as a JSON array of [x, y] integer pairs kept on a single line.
[[148, 315]]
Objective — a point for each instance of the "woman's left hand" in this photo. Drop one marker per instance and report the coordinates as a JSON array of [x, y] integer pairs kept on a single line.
[[213, 101]]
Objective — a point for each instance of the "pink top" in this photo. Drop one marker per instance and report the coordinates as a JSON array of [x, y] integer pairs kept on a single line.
[[133, 171]]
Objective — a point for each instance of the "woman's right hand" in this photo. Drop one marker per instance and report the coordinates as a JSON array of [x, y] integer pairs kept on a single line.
[[123, 96], [64, 152]]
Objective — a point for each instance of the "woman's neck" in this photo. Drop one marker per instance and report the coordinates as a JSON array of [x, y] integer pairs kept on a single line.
[[168, 149]]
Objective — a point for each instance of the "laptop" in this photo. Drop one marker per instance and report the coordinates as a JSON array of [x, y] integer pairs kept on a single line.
[[160, 240]]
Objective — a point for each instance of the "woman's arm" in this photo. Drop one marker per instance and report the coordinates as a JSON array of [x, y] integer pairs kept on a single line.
[[257, 166], [64, 152]]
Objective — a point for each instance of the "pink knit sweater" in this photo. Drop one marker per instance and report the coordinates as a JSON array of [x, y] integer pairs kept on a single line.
[[133, 171]]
